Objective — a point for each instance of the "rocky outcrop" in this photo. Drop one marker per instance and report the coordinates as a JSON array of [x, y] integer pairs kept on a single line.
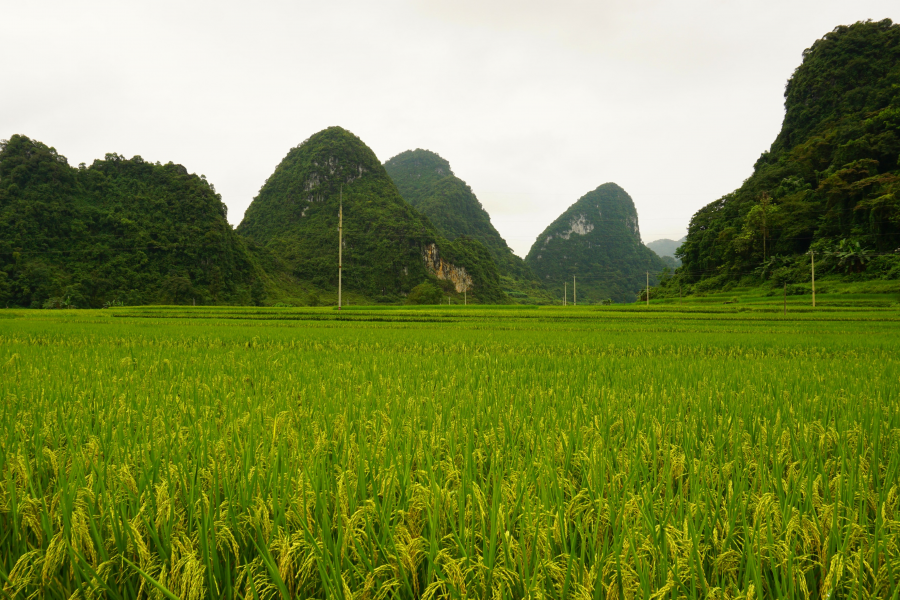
[[444, 270]]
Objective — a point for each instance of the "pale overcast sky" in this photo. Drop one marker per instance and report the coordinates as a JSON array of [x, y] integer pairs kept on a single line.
[[534, 103]]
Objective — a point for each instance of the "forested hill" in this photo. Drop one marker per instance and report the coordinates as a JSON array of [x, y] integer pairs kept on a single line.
[[665, 247], [830, 183], [389, 247], [597, 240], [426, 181], [120, 230]]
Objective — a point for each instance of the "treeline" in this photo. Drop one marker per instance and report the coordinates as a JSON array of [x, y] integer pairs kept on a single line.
[[120, 231]]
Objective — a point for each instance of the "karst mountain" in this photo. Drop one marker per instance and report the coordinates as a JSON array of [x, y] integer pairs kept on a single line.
[[130, 231], [598, 242], [829, 185], [427, 182], [389, 247], [666, 249]]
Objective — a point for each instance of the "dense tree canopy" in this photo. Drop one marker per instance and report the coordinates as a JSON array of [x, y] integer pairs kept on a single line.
[[425, 293], [120, 231], [831, 179]]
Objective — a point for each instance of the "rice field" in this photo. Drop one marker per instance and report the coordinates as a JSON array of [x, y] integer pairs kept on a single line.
[[671, 452]]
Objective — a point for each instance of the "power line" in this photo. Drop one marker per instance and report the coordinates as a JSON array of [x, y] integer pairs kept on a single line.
[[476, 236]]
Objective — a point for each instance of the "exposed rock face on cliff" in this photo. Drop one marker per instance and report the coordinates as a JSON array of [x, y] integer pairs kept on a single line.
[[296, 216], [446, 271], [596, 240]]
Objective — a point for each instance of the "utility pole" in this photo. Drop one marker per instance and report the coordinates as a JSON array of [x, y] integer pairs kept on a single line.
[[340, 245], [465, 298], [574, 293], [813, 256], [648, 288], [565, 292], [764, 202]]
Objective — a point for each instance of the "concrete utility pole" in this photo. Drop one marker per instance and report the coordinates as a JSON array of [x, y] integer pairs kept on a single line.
[[340, 245], [648, 288], [574, 293], [465, 296], [565, 292], [813, 256]]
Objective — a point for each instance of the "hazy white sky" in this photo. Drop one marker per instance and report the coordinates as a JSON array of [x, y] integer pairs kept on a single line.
[[534, 103]]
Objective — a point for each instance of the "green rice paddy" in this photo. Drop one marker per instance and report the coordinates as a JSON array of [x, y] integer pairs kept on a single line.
[[714, 452]]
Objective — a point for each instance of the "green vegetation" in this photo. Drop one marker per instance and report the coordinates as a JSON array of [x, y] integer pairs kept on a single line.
[[425, 293], [832, 291], [830, 184], [122, 231], [295, 216], [128, 232], [426, 181], [450, 452], [415, 173], [666, 250], [665, 247], [597, 239]]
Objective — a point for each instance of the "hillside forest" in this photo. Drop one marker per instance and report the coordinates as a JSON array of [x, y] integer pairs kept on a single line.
[[828, 188]]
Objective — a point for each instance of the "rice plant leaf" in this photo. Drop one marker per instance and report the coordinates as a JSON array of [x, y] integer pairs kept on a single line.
[[163, 590]]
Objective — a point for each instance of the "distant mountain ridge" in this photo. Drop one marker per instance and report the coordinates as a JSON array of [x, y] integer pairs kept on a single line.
[[665, 247], [597, 240]]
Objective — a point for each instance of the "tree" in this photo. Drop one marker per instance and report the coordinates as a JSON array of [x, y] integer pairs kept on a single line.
[[756, 223], [257, 292], [425, 293], [851, 256]]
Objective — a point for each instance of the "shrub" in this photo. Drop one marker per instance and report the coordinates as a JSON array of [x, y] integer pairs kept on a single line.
[[425, 293]]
